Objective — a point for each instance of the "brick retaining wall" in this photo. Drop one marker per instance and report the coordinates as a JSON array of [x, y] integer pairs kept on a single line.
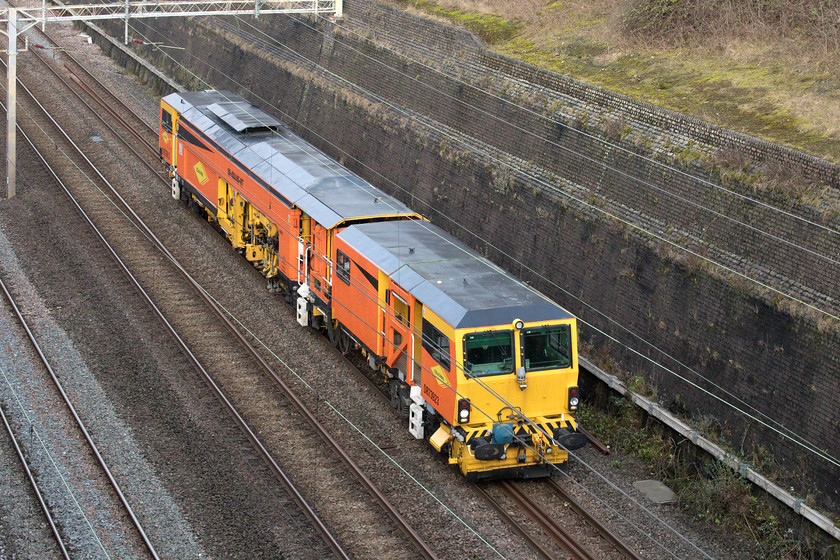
[[564, 222]]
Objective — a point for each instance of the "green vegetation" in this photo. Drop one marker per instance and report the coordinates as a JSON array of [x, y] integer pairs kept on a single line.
[[489, 28], [764, 67], [715, 494], [767, 68]]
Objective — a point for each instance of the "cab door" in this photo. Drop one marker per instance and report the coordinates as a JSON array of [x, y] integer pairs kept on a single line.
[[319, 263], [399, 336], [168, 135]]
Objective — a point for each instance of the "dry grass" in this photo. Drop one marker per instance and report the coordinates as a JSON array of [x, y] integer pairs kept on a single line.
[[764, 67], [521, 9]]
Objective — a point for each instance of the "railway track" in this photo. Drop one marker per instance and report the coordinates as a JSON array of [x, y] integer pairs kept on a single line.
[[545, 521], [554, 530], [70, 410], [613, 540], [134, 132], [548, 525], [172, 293], [36, 488], [533, 539]]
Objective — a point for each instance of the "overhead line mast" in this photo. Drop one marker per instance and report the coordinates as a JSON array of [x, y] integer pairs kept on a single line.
[[19, 20]]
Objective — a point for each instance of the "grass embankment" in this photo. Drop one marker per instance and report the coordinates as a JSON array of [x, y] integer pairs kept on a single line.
[[768, 68], [712, 493]]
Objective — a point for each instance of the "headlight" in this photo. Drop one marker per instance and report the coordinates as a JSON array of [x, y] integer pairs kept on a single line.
[[574, 398], [464, 411]]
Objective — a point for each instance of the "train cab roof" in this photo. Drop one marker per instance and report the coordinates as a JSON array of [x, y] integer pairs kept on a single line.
[[282, 162], [462, 287]]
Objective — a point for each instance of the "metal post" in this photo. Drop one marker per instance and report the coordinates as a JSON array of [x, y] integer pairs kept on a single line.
[[114, 12], [11, 107], [339, 8]]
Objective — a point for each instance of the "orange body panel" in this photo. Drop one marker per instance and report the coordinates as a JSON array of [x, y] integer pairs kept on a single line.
[[440, 386], [202, 168], [320, 262], [355, 304]]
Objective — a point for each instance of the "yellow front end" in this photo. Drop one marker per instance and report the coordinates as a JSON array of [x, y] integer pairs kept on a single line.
[[517, 393]]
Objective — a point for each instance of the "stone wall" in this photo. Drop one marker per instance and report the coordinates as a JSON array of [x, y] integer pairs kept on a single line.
[[568, 191]]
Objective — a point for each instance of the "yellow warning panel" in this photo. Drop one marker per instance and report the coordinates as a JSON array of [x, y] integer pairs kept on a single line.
[[200, 173], [440, 437], [440, 375]]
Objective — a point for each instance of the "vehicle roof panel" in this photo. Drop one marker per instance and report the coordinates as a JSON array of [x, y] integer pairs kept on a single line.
[[287, 163], [459, 285], [243, 117]]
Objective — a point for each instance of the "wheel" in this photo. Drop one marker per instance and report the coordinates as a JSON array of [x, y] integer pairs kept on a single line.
[[344, 342], [394, 393]]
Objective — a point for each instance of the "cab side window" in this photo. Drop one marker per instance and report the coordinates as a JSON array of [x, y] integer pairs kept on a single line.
[[437, 344], [342, 262], [166, 120]]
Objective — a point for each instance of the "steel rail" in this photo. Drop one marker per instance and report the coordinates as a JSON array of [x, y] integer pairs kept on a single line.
[[553, 529], [424, 550], [105, 122], [308, 510], [153, 148], [616, 542], [512, 523], [111, 94], [81, 425], [32, 481], [595, 442]]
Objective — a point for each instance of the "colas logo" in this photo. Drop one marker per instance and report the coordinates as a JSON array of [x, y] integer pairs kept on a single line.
[[200, 173]]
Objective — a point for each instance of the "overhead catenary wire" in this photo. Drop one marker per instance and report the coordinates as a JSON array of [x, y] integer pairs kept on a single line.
[[603, 164], [630, 498], [783, 430], [532, 112], [535, 178], [300, 377]]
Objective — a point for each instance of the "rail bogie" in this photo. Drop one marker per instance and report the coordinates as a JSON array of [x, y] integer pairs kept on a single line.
[[483, 366]]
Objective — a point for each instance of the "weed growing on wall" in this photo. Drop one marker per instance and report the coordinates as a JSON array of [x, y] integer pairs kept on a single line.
[[491, 29], [713, 493]]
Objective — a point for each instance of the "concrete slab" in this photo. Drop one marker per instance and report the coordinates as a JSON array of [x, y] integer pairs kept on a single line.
[[655, 491]]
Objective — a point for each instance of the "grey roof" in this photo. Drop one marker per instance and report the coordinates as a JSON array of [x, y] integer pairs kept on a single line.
[[291, 167], [243, 118], [433, 267]]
